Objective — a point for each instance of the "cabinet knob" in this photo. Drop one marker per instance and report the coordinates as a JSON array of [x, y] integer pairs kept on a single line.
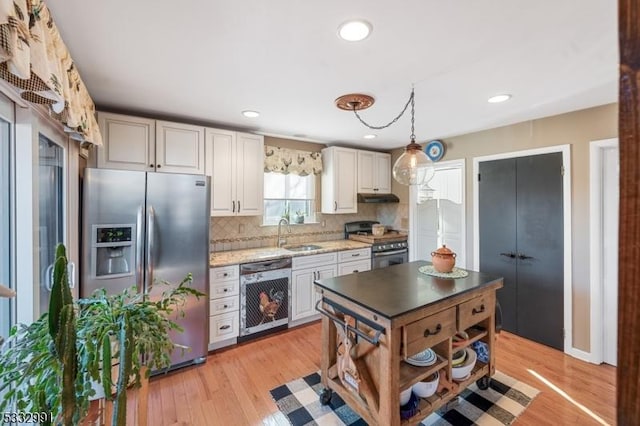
[[225, 274], [226, 290], [151, 165], [158, 166], [225, 306]]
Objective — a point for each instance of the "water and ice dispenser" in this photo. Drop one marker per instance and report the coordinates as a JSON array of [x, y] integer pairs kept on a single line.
[[113, 249]]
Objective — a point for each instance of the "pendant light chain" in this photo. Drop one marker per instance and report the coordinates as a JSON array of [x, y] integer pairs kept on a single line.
[[410, 101], [413, 115]]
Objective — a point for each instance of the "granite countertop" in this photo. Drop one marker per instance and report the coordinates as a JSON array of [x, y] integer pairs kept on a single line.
[[399, 289], [234, 257]]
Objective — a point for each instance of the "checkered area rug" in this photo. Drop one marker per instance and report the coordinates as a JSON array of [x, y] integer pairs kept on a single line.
[[502, 403]]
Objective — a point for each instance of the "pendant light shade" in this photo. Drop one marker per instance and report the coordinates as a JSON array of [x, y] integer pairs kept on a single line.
[[413, 167]]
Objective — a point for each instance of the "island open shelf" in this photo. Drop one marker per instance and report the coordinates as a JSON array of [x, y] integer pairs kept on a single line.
[[373, 321]]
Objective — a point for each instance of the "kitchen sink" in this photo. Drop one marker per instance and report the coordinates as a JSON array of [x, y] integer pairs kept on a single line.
[[302, 247]]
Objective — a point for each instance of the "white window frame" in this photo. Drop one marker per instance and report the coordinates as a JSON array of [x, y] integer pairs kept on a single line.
[[30, 123], [312, 199]]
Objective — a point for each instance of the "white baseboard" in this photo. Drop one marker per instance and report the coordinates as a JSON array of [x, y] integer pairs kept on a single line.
[[582, 355]]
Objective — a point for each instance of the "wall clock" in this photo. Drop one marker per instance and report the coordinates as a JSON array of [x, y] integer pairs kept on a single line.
[[434, 150]]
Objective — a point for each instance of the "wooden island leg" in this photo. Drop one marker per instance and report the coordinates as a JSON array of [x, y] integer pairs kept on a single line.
[[389, 352], [329, 355]]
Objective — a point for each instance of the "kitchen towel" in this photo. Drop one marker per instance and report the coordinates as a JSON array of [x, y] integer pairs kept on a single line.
[[502, 403]]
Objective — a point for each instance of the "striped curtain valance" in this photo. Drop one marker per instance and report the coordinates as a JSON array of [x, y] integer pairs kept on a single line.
[[285, 161], [35, 60]]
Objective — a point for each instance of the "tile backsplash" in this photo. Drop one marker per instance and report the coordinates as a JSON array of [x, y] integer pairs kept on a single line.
[[242, 232]]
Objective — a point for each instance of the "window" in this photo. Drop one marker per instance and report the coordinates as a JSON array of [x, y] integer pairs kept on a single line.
[[51, 214], [289, 195]]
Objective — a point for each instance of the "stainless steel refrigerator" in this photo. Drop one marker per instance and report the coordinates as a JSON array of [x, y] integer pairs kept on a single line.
[[142, 228]]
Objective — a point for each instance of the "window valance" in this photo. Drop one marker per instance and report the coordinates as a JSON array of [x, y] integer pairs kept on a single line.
[[35, 60], [284, 160]]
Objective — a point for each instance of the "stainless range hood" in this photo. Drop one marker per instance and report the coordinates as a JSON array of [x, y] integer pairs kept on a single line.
[[378, 198]]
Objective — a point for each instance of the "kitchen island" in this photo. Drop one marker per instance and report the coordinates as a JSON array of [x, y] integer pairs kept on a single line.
[[373, 321]]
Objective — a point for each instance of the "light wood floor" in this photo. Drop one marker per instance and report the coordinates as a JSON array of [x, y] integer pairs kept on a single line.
[[232, 388]]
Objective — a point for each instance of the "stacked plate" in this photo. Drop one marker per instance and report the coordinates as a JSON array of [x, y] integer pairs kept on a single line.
[[423, 359]]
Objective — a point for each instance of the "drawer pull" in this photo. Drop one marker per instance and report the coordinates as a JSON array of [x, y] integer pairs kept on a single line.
[[355, 255], [226, 274], [428, 332], [225, 306], [478, 311], [225, 327], [225, 290], [355, 270]]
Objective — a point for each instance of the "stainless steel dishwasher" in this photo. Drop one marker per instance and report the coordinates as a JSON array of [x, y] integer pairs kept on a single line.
[[265, 297]]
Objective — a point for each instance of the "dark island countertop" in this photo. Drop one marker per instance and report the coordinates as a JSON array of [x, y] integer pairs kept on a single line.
[[399, 289]]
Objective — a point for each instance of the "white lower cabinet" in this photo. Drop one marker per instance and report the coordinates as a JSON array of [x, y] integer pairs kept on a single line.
[[224, 306], [346, 268], [305, 270], [351, 261], [223, 327]]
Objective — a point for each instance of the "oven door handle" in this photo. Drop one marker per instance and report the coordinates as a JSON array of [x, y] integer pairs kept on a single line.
[[390, 253]]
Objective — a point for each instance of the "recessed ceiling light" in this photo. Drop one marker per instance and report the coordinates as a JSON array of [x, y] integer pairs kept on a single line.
[[355, 30], [250, 114], [369, 136], [499, 98]]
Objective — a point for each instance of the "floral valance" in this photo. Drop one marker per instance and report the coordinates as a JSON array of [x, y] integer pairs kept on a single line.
[[35, 60], [283, 160]]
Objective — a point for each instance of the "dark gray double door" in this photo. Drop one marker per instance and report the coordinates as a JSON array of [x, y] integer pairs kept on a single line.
[[522, 239]]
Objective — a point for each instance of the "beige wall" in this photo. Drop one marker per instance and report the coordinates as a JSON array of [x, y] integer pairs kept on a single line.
[[577, 129]]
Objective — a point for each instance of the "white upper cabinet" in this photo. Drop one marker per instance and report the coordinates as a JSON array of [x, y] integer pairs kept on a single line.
[[143, 144], [250, 174], [179, 148], [129, 142], [235, 162], [339, 180], [374, 172]]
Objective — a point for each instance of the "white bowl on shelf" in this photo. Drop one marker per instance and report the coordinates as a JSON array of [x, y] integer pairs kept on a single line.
[[428, 386], [405, 396], [462, 371]]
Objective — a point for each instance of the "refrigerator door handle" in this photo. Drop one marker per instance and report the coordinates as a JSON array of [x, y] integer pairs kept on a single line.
[[139, 249], [151, 225]]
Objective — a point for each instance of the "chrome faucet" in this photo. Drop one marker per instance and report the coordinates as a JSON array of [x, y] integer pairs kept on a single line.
[[283, 241]]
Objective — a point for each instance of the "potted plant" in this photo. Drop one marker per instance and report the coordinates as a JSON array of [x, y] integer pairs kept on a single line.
[[52, 365], [299, 218]]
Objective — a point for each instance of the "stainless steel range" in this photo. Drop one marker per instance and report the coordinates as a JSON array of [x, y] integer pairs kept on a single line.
[[388, 249]]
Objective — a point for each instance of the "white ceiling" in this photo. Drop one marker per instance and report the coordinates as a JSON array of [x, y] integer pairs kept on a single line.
[[207, 61]]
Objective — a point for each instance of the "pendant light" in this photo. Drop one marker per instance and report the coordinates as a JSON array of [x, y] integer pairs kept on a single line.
[[413, 167]]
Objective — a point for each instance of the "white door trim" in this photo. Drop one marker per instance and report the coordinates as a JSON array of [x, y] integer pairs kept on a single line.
[[566, 204], [413, 205], [596, 149]]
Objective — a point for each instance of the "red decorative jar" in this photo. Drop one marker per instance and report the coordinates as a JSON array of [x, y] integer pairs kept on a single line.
[[443, 259]]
